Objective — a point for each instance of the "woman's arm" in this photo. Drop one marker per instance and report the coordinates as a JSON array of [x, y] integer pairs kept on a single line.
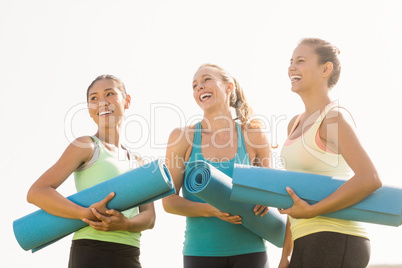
[[258, 147], [113, 220], [43, 192], [259, 150], [288, 242], [179, 145], [339, 136], [287, 247]]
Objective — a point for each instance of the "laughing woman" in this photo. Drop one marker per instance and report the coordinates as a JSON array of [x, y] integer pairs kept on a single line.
[[213, 238], [322, 141], [112, 238]]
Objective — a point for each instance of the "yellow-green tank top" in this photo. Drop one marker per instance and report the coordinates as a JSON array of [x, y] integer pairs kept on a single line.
[[103, 166]]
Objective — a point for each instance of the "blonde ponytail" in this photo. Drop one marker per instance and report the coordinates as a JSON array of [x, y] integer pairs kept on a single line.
[[243, 110]]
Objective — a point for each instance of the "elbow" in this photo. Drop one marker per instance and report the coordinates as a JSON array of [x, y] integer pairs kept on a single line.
[[373, 182], [31, 196], [152, 224], [377, 183], [167, 205], [151, 221], [370, 180]]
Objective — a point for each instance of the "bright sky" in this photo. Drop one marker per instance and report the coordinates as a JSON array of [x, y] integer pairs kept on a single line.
[[50, 51]]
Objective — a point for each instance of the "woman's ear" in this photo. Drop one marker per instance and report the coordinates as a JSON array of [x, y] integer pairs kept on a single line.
[[128, 102], [230, 87], [327, 69]]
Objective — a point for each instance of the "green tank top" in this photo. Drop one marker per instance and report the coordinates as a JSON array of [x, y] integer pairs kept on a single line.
[[103, 166], [210, 236]]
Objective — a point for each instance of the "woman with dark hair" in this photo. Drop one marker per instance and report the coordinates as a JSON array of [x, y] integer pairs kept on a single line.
[[322, 141], [112, 238]]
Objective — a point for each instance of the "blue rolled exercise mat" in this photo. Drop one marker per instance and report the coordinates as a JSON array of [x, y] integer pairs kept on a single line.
[[214, 187], [134, 188], [268, 187]]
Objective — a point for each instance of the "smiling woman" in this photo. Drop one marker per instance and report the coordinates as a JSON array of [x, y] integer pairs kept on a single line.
[[214, 238], [321, 141], [107, 101], [112, 238], [211, 73], [306, 58]]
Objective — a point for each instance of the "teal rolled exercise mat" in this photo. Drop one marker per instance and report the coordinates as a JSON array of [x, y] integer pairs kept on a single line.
[[268, 188], [136, 187], [214, 187]]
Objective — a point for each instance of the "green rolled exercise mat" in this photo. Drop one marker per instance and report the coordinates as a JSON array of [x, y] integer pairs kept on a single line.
[[214, 187], [268, 187], [133, 188]]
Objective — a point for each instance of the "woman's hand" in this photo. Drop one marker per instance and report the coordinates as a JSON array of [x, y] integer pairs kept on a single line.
[[111, 220], [300, 209], [284, 263], [236, 219], [260, 210], [214, 212], [100, 208]]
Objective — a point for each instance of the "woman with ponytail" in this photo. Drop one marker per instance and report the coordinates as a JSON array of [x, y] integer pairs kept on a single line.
[[322, 140], [214, 238]]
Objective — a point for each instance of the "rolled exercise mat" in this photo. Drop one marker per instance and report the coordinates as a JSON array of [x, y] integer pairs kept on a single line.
[[268, 187], [214, 187], [133, 188]]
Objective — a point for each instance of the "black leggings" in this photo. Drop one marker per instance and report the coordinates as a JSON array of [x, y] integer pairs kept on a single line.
[[86, 253], [330, 250], [252, 260]]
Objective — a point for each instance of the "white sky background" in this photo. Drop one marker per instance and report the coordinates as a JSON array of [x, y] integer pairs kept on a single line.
[[50, 51]]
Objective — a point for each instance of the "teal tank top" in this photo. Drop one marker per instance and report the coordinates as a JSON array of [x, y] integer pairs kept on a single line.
[[211, 236]]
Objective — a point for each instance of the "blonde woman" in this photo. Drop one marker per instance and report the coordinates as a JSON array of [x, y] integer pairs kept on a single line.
[[214, 238]]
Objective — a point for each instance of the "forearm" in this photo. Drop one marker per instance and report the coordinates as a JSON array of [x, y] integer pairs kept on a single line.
[[178, 205], [54, 203], [345, 142], [352, 191], [288, 243], [143, 221]]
